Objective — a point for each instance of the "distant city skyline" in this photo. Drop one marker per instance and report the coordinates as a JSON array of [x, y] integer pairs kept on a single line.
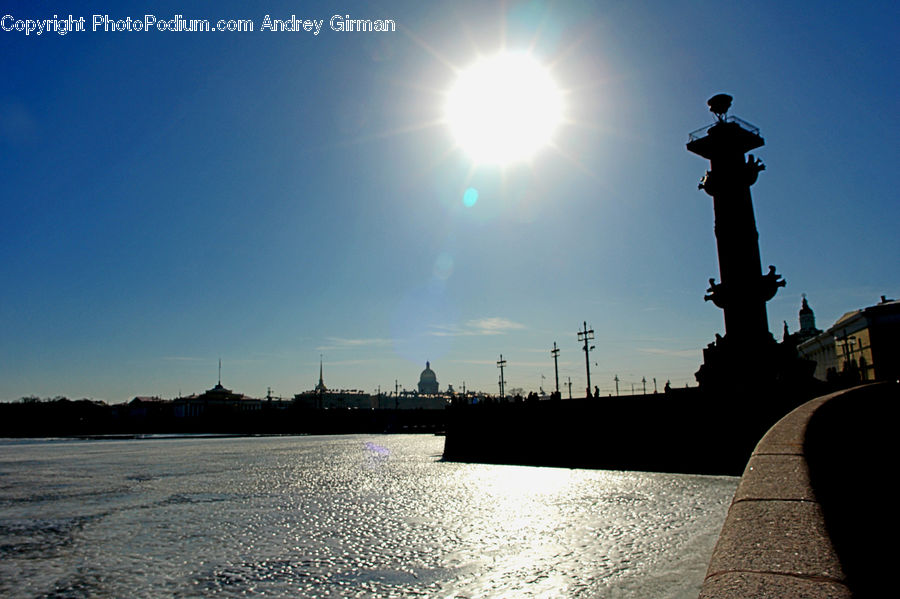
[[171, 198]]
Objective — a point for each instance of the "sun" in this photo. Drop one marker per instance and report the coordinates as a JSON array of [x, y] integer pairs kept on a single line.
[[503, 109]]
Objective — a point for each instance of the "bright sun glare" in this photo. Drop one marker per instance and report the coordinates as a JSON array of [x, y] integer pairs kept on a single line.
[[503, 109]]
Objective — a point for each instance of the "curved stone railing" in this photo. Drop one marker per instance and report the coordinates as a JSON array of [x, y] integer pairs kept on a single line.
[[810, 503]]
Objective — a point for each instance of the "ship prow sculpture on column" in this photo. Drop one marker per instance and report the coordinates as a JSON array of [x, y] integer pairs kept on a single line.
[[747, 356]]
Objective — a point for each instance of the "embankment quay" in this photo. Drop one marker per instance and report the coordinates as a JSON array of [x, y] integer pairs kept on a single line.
[[683, 431], [810, 513], [87, 419]]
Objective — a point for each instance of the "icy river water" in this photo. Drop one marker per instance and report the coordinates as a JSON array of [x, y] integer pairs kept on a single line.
[[340, 516]]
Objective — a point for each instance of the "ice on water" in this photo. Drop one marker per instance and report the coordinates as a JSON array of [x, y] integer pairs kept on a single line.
[[340, 516]]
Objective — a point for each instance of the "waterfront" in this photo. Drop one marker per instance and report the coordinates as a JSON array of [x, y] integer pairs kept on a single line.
[[338, 516]]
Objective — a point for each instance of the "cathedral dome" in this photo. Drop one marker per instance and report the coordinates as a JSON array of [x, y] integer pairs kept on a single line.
[[427, 374], [428, 380]]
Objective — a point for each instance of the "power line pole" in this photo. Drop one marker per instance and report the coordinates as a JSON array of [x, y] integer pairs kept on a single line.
[[555, 353], [570, 387], [616, 379], [586, 335], [644, 381], [500, 364]]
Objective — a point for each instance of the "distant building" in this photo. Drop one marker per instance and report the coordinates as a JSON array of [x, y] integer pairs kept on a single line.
[[145, 406], [807, 330], [862, 346], [323, 398], [336, 400], [428, 384], [418, 401], [218, 399]]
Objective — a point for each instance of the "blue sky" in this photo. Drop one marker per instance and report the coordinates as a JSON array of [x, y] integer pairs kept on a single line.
[[172, 198]]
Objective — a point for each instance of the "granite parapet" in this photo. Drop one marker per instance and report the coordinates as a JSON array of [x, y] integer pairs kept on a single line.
[[804, 519]]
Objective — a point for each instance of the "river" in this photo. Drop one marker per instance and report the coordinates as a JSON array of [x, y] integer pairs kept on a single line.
[[340, 516]]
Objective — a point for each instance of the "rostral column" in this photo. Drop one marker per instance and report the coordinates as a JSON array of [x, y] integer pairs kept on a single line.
[[748, 348]]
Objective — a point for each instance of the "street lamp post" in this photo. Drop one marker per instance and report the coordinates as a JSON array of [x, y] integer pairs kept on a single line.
[[587, 335], [500, 364], [555, 353]]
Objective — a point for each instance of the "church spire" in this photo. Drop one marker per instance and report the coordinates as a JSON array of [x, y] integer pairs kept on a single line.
[[321, 388]]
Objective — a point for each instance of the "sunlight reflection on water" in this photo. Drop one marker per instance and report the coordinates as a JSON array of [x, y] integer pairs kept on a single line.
[[348, 516]]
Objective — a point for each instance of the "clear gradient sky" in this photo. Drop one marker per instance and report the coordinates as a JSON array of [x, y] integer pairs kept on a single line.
[[169, 199]]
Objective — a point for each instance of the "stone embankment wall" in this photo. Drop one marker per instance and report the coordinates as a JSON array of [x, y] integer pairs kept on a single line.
[[813, 509]]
